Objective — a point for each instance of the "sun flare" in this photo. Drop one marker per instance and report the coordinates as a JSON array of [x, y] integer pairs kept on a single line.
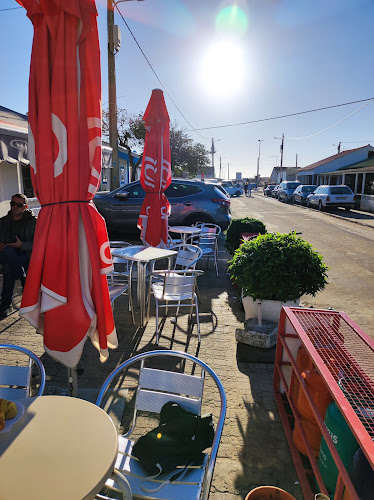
[[222, 68]]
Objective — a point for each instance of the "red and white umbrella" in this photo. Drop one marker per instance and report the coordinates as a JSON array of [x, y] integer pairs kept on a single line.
[[155, 174], [66, 293]]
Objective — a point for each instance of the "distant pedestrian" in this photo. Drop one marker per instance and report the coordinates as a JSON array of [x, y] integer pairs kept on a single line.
[[250, 190], [246, 189]]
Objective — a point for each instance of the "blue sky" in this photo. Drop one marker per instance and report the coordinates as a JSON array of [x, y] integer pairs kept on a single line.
[[275, 57]]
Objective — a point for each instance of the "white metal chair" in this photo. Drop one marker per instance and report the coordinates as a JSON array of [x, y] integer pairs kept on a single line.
[[15, 378], [176, 288], [120, 279], [187, 256], [123, 486], [208, 241], [153, 387]]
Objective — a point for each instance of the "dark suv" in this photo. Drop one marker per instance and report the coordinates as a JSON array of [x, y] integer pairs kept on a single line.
[[191, 201], [286, 189]]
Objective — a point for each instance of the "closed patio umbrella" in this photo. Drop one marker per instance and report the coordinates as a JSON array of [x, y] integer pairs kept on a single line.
[[155, 174], [66, 294]]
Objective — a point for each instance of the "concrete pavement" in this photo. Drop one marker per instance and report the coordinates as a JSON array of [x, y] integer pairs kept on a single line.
[[253, 449]]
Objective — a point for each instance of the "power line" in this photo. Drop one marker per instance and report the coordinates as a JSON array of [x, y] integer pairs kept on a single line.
[[154, 72], [331, 126], [11, 8], [285, 116]]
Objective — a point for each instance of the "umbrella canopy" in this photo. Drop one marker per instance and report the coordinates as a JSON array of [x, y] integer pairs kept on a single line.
[[66, 294], [155, 175]]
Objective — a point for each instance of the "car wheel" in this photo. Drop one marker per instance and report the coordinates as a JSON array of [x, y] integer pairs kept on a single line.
[[237, 193], [320, 206], [348, 208]]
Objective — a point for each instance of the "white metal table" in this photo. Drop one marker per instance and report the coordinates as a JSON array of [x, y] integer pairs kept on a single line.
[[60, 448], [143, 255], [185, 231]]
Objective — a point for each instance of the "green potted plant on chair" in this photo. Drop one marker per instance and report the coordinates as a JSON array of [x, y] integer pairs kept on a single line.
[[275, 270], [237, 227]]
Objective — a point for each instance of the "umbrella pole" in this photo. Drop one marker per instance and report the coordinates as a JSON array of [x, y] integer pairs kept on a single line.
[[73, 382]]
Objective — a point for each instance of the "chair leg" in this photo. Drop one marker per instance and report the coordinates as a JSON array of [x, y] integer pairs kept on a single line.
[[197, 318], [215, 262], [157, 333], [149, 300], [131, 304]]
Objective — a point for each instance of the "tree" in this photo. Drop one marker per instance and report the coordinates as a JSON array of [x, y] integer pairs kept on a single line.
[[186, 155]]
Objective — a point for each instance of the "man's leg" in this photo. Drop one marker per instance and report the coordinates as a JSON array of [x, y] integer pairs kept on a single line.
[[14, 265]]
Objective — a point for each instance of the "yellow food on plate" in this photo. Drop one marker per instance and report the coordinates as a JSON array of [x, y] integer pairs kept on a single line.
[[2, 420], [8, 408]]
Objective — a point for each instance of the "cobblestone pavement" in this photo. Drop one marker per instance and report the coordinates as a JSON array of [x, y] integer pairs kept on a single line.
[[253, 449]]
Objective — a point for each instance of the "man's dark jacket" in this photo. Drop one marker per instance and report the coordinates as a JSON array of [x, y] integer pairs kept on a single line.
[[23, 228]]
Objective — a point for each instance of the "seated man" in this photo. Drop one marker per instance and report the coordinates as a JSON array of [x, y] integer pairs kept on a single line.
[[16, 238]]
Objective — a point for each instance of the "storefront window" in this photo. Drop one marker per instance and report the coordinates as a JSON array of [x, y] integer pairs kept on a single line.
[[369, 184], [359, 183], [350, 181], [27, 184]]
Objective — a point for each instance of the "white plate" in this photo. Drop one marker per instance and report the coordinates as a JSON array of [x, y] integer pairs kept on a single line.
[[9, 423]]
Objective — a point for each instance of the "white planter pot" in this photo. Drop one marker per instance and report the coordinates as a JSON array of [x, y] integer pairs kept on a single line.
[[270, 309]]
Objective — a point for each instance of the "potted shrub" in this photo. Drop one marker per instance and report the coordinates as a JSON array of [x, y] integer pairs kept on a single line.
[[239, 226], [275, 270]]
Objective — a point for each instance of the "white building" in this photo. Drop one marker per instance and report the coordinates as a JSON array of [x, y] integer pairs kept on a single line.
[[14, 164]]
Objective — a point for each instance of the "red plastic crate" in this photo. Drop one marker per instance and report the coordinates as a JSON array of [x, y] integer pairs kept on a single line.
[[338, 348]]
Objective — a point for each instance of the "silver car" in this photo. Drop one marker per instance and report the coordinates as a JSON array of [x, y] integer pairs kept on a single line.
[[191, 201], [331, 196]]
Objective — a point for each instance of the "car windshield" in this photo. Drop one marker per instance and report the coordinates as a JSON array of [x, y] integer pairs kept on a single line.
[[292, 185], [308, 189], [340, 190]]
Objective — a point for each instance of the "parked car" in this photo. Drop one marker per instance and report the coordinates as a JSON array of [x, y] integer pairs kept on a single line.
[[269, 189], [301, 193], [286, 190], [232, 189], [331, 196], [274, 193], [191, 201]]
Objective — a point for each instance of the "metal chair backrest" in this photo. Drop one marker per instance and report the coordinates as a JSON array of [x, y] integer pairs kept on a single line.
[[120, 273], [208, 236], [15, 380], [155, 387], [187, 256]]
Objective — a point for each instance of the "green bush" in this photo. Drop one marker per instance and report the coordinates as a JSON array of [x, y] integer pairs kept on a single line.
[[278, 267], [239, 226]]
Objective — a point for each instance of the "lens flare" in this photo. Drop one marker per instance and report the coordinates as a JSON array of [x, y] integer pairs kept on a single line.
[[232, 19]]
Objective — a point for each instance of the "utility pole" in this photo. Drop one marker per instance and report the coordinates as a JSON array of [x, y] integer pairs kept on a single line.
[[220, 167], [258, 161], [212, 150], [228, 171], [114, 42], [281, 150], [112, 95]]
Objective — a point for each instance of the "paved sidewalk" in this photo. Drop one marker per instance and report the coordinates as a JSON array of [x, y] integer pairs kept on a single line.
[[253, 449]]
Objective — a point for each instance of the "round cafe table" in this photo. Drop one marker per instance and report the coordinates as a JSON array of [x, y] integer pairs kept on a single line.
[[61, 448], [185, 231]]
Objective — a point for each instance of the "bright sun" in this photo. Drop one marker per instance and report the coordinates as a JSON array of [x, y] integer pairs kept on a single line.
[[222, 68]]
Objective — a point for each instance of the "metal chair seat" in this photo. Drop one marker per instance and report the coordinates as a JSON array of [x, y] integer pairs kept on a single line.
[[153, 387]]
